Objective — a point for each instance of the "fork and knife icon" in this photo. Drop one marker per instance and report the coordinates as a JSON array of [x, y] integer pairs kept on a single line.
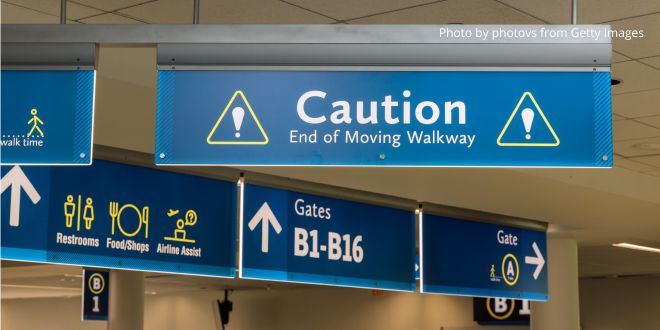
[[143, 218]]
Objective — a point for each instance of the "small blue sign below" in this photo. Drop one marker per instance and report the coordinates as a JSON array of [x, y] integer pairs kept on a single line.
[[96, 288], [485, 260], [296, 237], [384, 118], [47, 117], [113, 215]]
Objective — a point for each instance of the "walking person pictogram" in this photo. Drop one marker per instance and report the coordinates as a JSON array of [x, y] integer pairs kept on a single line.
[[35, 121]]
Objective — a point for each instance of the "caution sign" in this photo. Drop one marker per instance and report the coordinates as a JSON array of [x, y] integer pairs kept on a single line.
[[528, 126], [239, 128]]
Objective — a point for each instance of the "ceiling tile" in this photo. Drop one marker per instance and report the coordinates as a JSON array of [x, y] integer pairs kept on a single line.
[[52, 7], [109, 19], [617, 117], [164, 11], [589, 11], [616, 57], [653, 121], [635, 76], [558, 11], [599, 11], [256, 12], [110, 5], [12, 14], [649, 160], [454, 11], [348, 9], [647, 46], [633, 148], [630, 129], [638, 104], [632, 165], [653, 61], [653, 173]]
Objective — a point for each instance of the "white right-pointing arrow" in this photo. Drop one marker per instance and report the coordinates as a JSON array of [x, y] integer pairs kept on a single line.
[[266, 217], [537, 260], [17, 180]]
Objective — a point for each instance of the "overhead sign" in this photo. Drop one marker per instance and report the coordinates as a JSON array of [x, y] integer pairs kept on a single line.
[[384, 118], [96, 288], [112, 215], [480, 259], [47, 117], [499, 311], [296, 237]]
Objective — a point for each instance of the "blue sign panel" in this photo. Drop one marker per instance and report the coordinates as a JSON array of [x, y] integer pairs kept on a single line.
[[290, 236], [384, 118], [96, 287], [119, 216], [479, 259], [47, 117]]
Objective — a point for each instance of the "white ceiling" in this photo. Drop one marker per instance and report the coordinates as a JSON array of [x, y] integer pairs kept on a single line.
[[598, 207]]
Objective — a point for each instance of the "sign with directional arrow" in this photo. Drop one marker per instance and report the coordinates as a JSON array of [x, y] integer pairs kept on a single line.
[[113, 215], [481, 259], [297, 237]]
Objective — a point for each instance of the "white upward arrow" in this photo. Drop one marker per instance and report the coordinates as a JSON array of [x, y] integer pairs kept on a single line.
[[265, 216], [538, 260], [17, 180]]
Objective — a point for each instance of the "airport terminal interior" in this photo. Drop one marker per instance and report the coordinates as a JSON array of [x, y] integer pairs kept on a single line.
[[577, 235]]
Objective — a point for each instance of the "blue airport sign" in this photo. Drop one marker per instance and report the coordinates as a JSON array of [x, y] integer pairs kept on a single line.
[[384, 118], [479, 259], [47, 117], [112, 215], [296, 237], [96, 289]]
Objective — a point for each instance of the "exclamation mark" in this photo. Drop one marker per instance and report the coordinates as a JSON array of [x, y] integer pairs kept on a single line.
[[237, 114], [528, 118]]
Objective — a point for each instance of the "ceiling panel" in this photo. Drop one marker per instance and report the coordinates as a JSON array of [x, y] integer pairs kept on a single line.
[[617, 117], [109, 19], [12, 14], [164, 11], [647, 46], [639, 104], [616, 57], [633, 165], [348, 9], [589, 11], [110, 5], [454, 11], [649, 160], [600, 11], [635, 76], [653, 61], [636, 147], [654, 120], [630, 129], [52, 7], [256, 12]]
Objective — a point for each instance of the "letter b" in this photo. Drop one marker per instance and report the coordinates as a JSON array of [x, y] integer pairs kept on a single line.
[[300, 242], [334, 246]]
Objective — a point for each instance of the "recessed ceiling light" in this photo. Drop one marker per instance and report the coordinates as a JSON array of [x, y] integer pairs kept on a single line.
[[615, 81], [647, 146], [636, 247]]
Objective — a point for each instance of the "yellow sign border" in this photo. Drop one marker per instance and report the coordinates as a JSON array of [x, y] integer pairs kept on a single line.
[[510, 283], [522, 144], [224, 112], [505, 316]]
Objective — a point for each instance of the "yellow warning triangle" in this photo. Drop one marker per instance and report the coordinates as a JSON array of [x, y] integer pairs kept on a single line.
[[222, 116], [528, 143]]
